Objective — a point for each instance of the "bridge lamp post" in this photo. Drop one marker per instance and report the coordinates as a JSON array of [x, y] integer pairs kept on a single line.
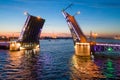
[[26, 13], [38, 17], [76, 13]]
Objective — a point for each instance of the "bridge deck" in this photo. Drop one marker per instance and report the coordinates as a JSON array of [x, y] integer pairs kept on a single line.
[[105, 48]]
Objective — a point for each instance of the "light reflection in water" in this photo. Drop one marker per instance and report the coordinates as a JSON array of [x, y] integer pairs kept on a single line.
[[22, 65], [54, 62], [84, 68], [109, 67]]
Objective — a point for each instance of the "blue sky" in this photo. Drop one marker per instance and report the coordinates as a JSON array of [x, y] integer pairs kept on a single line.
[[101, 16]]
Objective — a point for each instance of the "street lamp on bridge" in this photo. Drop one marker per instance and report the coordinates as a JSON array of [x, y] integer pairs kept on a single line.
[[26, 13], [76, 13]]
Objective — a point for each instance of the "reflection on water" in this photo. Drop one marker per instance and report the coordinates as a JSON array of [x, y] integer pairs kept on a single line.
[[56, 62], [100, 68], [22, 65], [84, 68], [51, 63], [109, 67], [109, 70]]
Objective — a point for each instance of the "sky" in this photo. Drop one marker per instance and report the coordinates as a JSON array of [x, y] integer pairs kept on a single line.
[[99, 16]]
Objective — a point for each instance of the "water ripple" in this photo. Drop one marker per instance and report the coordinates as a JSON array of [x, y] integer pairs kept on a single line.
[[55, 61]]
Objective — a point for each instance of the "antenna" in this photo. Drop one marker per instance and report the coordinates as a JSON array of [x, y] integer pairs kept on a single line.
[[68, 7]]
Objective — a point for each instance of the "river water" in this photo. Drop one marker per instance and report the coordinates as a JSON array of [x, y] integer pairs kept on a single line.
[[55, 60]]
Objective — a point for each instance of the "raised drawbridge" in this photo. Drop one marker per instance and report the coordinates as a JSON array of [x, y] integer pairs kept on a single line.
[[83, 47], [30, 34]]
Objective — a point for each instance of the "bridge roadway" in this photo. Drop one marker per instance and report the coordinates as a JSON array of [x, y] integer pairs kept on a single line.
[[105, 47]]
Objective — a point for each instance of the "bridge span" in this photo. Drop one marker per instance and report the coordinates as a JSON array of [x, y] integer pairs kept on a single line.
[[30, 34], [82, 46]]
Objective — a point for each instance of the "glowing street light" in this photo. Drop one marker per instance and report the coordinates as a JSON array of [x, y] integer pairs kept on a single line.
[[26, 13], [77, 13], [38, 17]]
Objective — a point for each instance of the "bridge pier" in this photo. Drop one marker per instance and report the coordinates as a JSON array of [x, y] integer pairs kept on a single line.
[[14, 46], [82, 49]]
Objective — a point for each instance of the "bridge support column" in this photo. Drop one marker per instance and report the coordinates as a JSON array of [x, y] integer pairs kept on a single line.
[[82, 49], [14, 46]]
